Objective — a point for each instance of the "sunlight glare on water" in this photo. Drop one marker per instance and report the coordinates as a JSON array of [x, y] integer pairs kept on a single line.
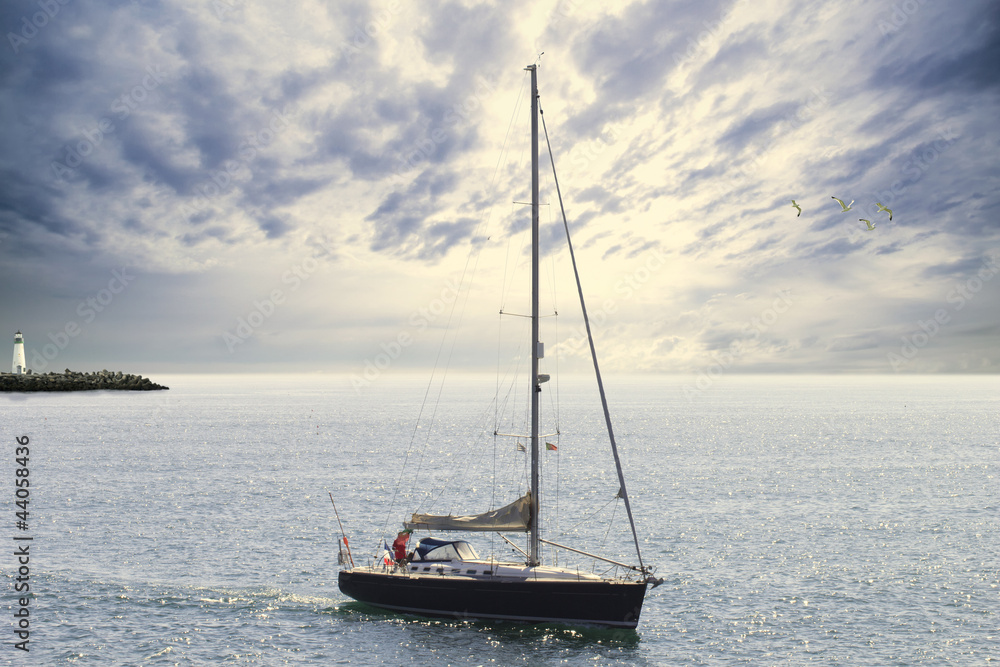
[[849, 520]]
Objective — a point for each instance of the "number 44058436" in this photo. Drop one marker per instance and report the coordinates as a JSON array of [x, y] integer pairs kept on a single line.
[[21, 453]]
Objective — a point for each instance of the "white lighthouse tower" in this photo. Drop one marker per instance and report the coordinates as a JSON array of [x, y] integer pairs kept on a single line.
[[19, 366]]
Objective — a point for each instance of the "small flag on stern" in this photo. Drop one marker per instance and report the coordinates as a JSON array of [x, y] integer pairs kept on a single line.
[[549, 446]]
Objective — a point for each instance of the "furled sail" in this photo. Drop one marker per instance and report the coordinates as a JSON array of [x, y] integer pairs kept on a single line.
[[514, 517]]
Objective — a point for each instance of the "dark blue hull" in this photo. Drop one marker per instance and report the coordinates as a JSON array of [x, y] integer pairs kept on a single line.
[[607, 602]]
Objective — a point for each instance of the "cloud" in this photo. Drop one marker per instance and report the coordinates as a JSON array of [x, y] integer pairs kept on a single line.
[[408, 223], [853, 343], [190, 139], [962, 68], [964, 267]]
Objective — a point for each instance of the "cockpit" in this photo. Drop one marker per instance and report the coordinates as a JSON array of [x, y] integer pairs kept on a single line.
[[433, 549]]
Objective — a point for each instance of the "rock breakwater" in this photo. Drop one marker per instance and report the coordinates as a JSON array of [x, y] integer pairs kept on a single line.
[[73, 381]]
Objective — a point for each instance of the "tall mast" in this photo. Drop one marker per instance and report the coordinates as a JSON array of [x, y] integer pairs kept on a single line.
[[533, 555]]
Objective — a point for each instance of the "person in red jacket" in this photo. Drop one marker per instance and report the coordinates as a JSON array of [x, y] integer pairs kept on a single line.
[[399, 546]]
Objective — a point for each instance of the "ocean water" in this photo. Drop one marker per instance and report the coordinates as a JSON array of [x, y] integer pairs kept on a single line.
[[795, 520]]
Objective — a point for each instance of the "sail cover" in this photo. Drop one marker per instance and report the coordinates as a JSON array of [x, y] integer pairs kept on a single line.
[[514, 517]]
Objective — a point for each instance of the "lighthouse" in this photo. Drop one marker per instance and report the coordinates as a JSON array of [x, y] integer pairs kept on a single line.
[[18, 367]]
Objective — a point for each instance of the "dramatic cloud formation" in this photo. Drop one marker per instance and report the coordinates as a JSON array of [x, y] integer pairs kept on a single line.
[[224, 185]]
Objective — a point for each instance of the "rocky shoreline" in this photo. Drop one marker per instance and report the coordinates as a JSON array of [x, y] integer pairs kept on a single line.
[[73, 381]]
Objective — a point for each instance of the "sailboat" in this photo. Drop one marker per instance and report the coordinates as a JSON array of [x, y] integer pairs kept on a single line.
[[446, 578]]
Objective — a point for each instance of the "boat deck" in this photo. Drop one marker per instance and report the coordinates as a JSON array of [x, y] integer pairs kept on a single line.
[[482, 569]]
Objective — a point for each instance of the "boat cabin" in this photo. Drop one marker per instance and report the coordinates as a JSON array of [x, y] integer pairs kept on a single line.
[[433, 549]]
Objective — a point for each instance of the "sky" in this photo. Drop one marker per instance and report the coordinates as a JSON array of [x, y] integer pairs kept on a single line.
[[227, 186]]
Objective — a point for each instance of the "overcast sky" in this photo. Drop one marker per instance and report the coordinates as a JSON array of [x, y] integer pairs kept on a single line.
[[225, 185]]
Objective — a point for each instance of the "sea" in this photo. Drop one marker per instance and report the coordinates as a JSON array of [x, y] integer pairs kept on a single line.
[[794, 520]]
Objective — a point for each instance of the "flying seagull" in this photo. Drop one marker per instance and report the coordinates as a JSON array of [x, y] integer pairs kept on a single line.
[[798, 207], [883, 208], [845, 207], [867, 222]]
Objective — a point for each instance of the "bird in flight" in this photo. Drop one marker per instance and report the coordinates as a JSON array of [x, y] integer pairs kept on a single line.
[[883, 208], [867, 222], [845, 207], [798, 207]]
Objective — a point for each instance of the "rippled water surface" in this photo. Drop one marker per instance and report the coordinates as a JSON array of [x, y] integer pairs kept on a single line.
[[796, 520]]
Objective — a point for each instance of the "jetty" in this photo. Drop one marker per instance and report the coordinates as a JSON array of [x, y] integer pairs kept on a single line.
[[73, 381]]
